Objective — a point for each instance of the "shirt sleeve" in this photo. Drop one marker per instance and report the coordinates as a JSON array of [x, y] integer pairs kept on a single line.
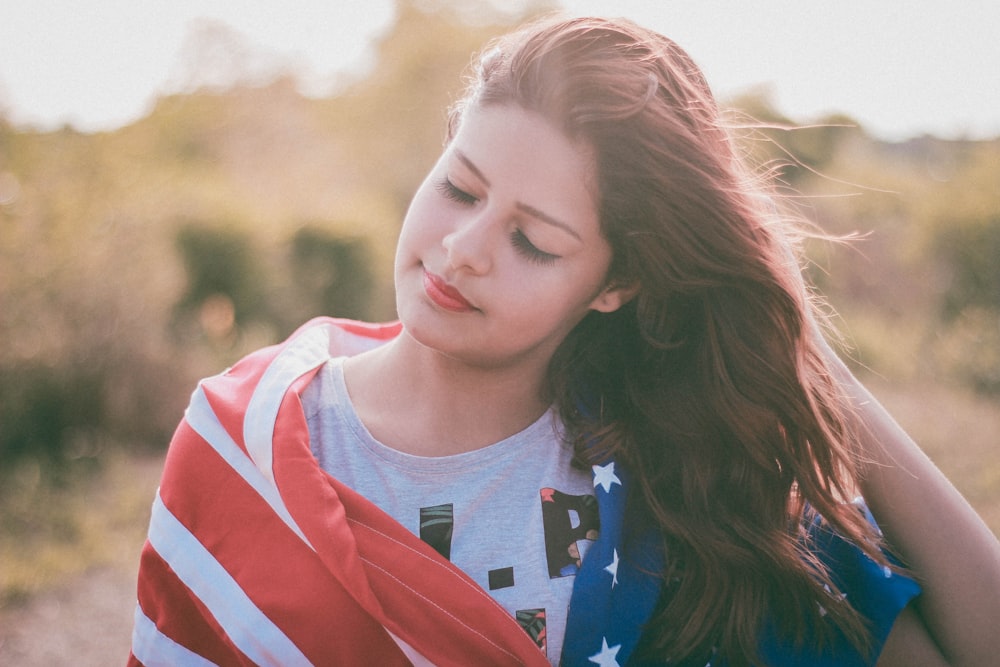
[[613, 599], [876, 591]]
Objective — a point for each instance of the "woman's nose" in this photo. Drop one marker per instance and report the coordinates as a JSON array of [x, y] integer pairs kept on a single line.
[[469, 246]]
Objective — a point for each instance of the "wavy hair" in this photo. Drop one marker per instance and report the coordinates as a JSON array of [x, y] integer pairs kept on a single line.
[[709, 385]]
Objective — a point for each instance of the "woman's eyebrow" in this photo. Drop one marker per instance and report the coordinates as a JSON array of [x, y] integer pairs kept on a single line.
[[471, 166], [545, 217], [526, 208]]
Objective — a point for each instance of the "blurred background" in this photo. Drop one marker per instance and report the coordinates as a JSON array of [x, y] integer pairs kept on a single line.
[[196, 181]]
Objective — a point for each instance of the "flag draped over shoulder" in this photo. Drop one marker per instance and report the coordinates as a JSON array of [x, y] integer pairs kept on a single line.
[[257, 556]]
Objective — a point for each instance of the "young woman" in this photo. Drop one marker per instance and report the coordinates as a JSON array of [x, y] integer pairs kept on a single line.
[[606, 425]]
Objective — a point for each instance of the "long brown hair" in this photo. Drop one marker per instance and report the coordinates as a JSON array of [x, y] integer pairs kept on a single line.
[[708, 385]]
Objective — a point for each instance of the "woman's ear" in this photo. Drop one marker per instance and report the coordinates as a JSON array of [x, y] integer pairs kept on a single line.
[[614, 296]]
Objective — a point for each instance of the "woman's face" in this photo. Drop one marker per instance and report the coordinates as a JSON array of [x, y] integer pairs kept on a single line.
[[501, 252]]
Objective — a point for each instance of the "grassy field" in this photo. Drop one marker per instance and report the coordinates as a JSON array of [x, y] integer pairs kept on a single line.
[[90, 518]]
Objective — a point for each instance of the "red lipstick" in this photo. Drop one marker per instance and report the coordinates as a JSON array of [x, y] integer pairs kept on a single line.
[[444, 295]]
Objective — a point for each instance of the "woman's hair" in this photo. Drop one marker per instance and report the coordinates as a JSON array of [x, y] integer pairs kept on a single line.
[[709, 385]]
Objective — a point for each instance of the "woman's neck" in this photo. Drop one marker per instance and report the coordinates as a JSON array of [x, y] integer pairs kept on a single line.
[[418, 401]]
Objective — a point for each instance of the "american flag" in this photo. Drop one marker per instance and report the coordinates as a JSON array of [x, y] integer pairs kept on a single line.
[[255, 556]]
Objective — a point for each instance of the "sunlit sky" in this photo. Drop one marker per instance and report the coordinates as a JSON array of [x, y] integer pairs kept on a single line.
[[900, 67]]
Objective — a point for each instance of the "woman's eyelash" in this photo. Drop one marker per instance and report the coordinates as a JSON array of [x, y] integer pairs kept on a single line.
[[528, 249], [521, 242], [449, 191]]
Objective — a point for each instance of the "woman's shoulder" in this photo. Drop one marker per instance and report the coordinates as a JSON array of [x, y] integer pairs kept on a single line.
[[352, 335], [318, 339], [243, 401]]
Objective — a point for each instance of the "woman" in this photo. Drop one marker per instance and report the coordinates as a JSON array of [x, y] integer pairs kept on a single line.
[[606, 412]]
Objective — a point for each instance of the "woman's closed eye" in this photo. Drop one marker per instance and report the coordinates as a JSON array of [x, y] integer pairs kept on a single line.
[[450, 191], [528, 249], [520, 241]]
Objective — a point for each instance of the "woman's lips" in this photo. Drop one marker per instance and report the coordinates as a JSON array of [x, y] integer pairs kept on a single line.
[[444, 295]]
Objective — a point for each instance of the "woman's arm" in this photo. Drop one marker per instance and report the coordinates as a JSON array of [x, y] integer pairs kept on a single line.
[[940, 537]]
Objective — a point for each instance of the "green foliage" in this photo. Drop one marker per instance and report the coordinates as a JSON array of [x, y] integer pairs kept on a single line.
[[968, 346], [60, 522], [220, 263], [332, 273], [971, 251], [42, 408], [967, 341], [234, 284]]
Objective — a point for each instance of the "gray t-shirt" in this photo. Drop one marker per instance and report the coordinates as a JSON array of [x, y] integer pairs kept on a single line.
[[515, 516]]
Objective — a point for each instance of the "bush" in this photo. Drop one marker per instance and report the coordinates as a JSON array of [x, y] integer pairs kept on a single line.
[[44, 409]]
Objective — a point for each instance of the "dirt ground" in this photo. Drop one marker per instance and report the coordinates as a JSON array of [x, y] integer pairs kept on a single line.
[[86, 619], [87, 623]]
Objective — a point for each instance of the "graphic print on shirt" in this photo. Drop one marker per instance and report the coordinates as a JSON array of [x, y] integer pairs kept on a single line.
[[571, 524], [533, 622], [437, 524], [501, 578]]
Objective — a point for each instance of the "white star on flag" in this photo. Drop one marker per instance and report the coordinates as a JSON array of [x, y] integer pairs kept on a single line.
[[605, 476], [613, 568], [607, 656]]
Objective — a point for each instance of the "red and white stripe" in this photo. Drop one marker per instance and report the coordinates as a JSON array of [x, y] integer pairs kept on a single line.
[[255, 556]]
